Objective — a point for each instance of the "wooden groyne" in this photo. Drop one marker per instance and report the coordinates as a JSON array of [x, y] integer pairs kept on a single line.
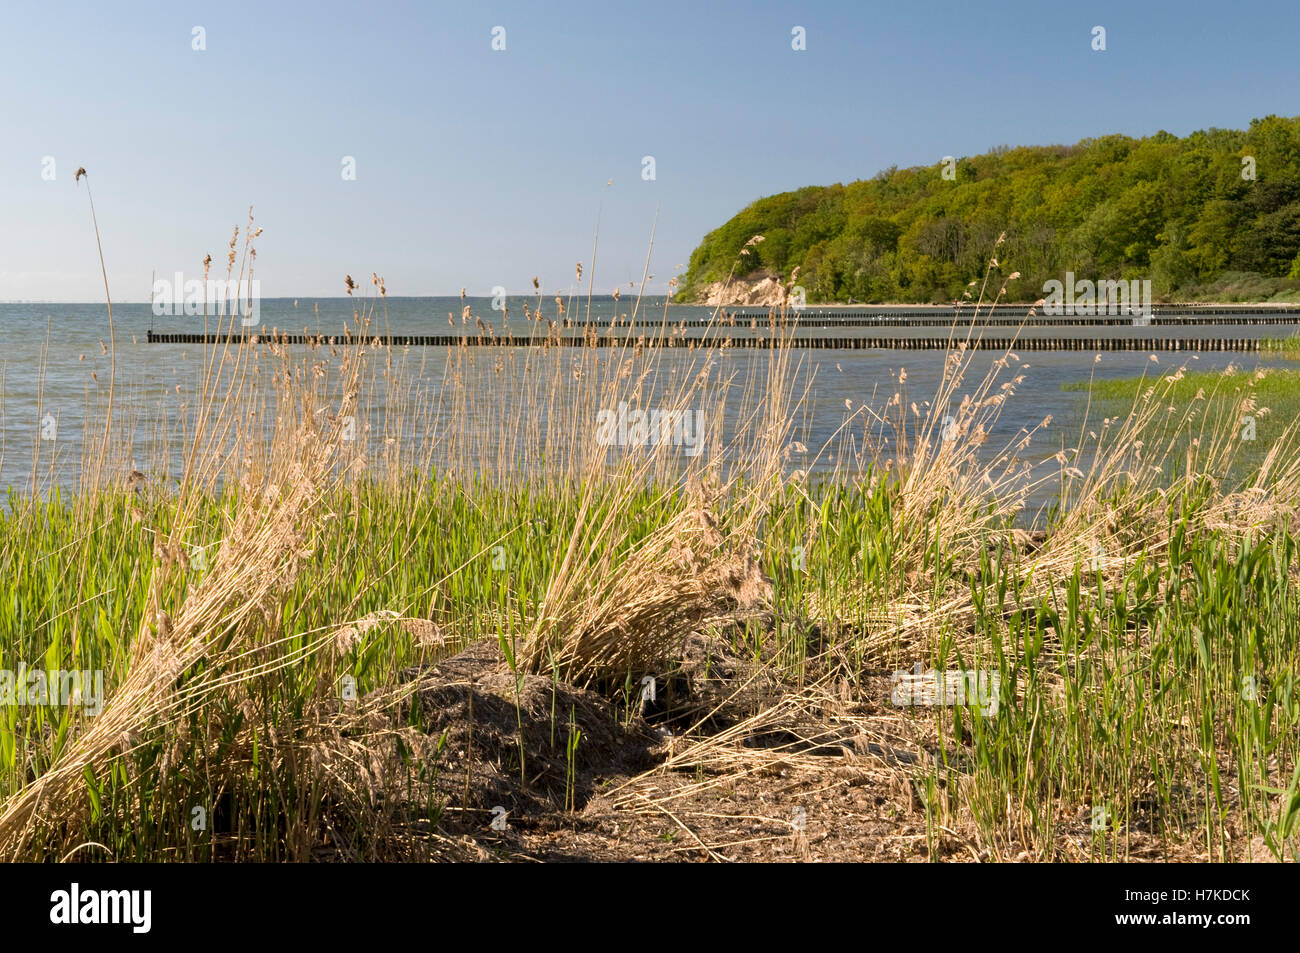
[[748, 341]]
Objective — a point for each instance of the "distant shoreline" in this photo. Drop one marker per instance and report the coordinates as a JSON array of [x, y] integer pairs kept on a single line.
[[965, 305]]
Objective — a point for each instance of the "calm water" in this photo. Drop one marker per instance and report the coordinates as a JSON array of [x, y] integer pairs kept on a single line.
[[51, 352]]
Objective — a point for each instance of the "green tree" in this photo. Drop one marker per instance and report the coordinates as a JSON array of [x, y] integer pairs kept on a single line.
[[1183, 211]]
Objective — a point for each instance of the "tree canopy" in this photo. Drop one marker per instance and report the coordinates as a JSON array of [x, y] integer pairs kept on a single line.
[[1182, 212]]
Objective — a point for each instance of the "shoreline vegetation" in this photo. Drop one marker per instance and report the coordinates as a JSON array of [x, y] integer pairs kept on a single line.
[[738, 295], [1211, 216], [341, 617], [1261, 397], [767, 291]]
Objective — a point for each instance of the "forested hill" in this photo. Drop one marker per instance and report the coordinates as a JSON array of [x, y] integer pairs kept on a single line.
[[1215, 214]]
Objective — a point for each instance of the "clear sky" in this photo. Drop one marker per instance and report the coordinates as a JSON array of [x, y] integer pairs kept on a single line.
[[477, 167]]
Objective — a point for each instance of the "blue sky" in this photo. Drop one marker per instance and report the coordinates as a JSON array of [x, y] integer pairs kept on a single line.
[[477, 168]]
